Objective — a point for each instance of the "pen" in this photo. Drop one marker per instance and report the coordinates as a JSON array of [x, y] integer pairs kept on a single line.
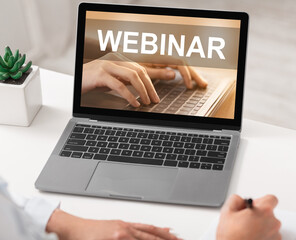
[[249, 203]]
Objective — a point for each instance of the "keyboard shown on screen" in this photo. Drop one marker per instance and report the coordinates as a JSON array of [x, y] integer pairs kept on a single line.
[[138, 146]]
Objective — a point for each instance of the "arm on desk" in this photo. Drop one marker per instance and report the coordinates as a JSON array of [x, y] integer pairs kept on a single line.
[[68, 227]]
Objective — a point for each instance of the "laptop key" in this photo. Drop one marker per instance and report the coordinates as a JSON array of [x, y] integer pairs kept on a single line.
[[102, 144], [168, 150], [123, 146], [91, 137], [112, 145], [115, 151], [134, 147], [194, 165], [105, 150], [223, 148], [217, 167], [167, 144], [149, 154], [212, 160], [91, 143], [102, 138], [159, 155], [137, 154], [156, 142], [65, 154], [100, 156], [156, 149], [179, 150], [75, 148], [212, 147], [189, 145], [88, 130], [182, 157], [178, 144], [145, 148], [78, 135], [131, 134], [76, 142], [207, 141], [201, 153], [88, 155], [183, 164], [76, 155], [78, 129], [190, 152], [206, 166], [93, 150], [145, 142], [194, 158], [138, 160], [217, 154], [171, 156], [134, 140], [126, 152], [123, 140], [223, 142], [170, 163]]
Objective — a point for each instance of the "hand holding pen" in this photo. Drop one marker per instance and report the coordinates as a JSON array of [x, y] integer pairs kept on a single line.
[[247, 219]]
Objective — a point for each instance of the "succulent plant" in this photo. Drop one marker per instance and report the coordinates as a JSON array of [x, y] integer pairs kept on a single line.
[[11, 66]]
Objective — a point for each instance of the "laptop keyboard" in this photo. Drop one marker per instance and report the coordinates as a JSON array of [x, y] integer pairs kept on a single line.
[[161, 148], [175, 98]]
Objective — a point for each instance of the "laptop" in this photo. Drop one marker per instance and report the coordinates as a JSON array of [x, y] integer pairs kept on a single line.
[[157, 106]]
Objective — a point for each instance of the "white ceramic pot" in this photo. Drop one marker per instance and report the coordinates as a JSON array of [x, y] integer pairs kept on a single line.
[[19, 104]]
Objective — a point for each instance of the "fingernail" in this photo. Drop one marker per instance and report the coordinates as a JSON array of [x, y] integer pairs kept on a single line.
[[137, 104], [170, 74], [157, 99]]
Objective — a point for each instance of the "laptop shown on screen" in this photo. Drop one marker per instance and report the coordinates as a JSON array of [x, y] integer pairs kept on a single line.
[[157, 105]]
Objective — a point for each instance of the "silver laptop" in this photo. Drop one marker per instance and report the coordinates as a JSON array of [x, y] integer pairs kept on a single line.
[[157, 106]]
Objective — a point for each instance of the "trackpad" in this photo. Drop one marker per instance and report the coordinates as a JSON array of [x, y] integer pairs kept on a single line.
[[130, 181]]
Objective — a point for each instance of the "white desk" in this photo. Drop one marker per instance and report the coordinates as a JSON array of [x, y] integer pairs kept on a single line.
[[265, 164]]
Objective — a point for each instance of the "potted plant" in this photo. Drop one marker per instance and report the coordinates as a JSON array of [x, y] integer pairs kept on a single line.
[[20, 89]]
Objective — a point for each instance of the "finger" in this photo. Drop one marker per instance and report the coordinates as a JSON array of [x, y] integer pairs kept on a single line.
[[119, 87], [202, 83], [161, 73], [234, 203], [131, 76], [157, 231], [268, 201], [143, 76], [184, 71]]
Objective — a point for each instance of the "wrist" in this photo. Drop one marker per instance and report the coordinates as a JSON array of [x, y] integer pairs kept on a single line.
[[61, 224]]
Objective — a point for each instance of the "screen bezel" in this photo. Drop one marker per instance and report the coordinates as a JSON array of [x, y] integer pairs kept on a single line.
[[160, 118]]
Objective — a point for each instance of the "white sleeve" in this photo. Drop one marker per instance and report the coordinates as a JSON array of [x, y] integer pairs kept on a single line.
[[39, 209]]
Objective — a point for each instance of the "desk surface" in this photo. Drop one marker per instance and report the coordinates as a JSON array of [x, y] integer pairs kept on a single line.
[[265, 164]]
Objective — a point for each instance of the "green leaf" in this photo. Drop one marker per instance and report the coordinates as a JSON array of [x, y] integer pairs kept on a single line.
[[10, 62], [2, 63], [6, 57], [4, 76], [26, 68], [2, 69], [17, 75], [7, 50], [16, 56], [15, 67], [22, 60]]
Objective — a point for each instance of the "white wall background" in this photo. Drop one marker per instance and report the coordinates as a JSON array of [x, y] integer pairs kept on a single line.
[[46, 31]]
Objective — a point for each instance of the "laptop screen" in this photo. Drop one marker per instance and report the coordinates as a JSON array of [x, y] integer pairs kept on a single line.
[[160, 64]]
